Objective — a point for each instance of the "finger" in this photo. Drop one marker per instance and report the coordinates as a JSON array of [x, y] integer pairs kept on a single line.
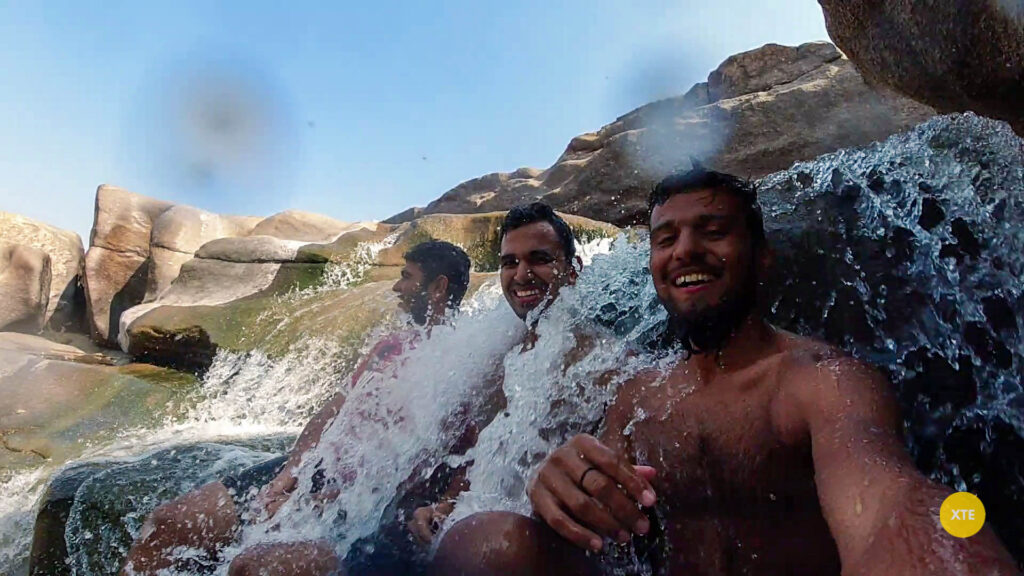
[[547, 508], [625, 511], [615, 467], [584, 508], [646, 472]]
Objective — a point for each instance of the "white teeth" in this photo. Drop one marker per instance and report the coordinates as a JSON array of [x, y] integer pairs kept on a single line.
[[693, 278], [527, 293]]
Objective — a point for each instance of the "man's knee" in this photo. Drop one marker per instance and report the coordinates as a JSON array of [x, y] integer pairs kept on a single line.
[[505, 543]]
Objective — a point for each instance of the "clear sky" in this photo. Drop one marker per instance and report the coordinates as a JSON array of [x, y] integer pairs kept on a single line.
[[356, 110]]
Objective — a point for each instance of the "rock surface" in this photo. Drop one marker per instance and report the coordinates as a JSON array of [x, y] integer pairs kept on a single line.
[[65, 310], [117, 263], [759, 112], [949, 54], [305, 226], [176, 235], [24, 287], [54, 408]]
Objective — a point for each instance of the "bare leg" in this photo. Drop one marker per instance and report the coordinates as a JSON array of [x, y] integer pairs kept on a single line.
[[507, 544], [287, 559], [204, 518]]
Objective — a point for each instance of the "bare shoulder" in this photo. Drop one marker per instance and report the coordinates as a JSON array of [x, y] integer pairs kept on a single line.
[[819, 380]]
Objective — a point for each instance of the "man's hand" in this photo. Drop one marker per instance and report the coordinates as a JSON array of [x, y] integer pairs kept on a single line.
[[426, 521], [584, 490]]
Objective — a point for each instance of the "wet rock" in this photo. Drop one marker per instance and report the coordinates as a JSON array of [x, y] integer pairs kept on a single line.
[[49, 556], [110, 506], [758, 113], [954, 56], [24, 287], [65, 309], [54, 408], [900, 253]]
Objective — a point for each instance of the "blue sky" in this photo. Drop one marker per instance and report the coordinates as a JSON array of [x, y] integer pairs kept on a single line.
[[354, 110]]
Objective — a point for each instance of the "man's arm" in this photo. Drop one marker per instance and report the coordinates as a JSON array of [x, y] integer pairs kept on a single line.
[[278, 490], [883, 513]]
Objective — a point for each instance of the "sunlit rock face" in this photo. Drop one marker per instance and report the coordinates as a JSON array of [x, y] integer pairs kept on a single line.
[[759, 112], [951, 55], [65, 310], [909, 254]]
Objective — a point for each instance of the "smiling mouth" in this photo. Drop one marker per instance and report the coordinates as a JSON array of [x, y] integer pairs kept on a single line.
[[528, 293], [692, 280]]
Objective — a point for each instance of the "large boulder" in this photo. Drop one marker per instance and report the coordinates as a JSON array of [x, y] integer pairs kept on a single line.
[[139, 245], [759, 112], [176, 235], [65, 310], [117, 263], [24, 287], [306, 226], [950, 54]]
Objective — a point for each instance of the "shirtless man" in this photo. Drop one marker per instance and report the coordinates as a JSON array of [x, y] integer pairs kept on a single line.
[[537, 258], [432, 283], [759, 452]]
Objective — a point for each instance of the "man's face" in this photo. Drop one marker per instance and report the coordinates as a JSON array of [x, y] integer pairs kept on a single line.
[[702, 256], [533, 267], [412, 292]]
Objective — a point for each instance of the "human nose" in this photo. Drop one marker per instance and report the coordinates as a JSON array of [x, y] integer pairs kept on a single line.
[[687, 247], [524, 273]]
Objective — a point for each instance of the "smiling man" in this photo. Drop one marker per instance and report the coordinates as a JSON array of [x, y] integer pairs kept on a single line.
[[538, 257], [758, 452]]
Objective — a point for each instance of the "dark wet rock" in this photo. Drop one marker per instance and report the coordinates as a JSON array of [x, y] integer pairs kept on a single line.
[[49, 556], [111, 506], [908, 253]]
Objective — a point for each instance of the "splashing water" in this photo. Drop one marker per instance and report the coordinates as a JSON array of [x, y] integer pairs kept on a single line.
[[907, 253]]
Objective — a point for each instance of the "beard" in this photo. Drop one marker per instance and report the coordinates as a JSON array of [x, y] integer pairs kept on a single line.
[[419, 308], [708, 331]]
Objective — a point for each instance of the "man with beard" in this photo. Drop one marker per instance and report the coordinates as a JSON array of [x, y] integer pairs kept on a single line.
[[433, 281], [537, 258], [758, 452]]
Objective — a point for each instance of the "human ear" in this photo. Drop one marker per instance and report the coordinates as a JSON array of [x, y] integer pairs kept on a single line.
[[575, 268], [439, 288]]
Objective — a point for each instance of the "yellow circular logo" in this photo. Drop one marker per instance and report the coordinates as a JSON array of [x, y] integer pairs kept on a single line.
[[962, 514]]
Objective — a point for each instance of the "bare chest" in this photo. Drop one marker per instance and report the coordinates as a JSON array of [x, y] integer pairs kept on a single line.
[[718, 451]]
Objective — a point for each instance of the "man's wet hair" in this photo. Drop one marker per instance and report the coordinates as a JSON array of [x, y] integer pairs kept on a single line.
[[524, 214], [700, 178], [440, 258]]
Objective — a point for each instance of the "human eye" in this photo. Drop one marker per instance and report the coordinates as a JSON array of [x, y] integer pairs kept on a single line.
[[509, 263], [665, 240]]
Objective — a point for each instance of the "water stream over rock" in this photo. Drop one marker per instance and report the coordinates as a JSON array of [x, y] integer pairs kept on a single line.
[[907, 253]]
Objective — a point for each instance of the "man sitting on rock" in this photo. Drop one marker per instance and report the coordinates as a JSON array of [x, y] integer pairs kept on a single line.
[[537, 259], [758, 452], [432, 283]]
